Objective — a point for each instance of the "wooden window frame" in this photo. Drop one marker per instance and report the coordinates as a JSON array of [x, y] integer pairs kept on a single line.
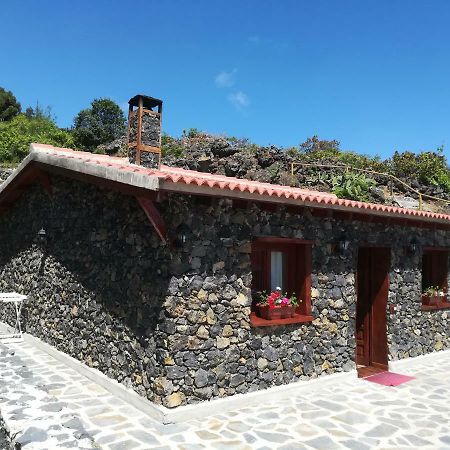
[[299, 257], [435, 273]]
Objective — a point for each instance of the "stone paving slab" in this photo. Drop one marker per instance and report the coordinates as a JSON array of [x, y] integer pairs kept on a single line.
[[52, 406], [36, 419]]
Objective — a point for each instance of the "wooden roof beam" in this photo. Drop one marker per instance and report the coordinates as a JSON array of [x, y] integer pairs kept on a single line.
[[154, 216]]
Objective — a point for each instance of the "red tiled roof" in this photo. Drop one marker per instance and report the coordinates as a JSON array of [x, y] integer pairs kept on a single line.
[[173, 178], [177, 175]]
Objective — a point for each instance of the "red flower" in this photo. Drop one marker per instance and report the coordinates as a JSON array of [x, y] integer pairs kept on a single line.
[[272, 299]]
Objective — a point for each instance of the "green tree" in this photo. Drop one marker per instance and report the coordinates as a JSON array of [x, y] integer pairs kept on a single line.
[[100, 124], [17, 135], [40, 113], [9, 106], [314, 144]]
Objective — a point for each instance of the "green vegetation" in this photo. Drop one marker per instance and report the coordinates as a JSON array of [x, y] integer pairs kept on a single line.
[[104, 121], [314, 150], [274, 171], [318, 146], [100, 124], [353, 186], [9, 106], [192, 133], [170, 146], [359, 161], [17, 134], [427, 168]]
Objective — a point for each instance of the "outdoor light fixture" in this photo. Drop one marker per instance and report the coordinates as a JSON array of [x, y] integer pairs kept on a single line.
[[181, 235], [412, 246], [42, 237], [343, 244]]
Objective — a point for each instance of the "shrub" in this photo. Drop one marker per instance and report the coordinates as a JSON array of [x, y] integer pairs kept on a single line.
[[192, 133], [404, 165], [362, 161], [316, 145], [317, 150], [17, 135], [170, 146], [293, 152], [429, 168], [352, 186]]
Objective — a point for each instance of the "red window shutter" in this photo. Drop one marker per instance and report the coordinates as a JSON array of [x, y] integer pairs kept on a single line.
[[440, 269], [260, 260], [427, 272], [305, 263]]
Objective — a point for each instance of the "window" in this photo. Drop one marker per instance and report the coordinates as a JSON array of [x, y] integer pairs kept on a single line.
[[283, 263], [435, 279]]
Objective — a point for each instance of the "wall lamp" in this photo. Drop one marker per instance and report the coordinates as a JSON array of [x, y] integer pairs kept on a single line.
[[182, 232], [343, 244], [42, 237], [412, 246]]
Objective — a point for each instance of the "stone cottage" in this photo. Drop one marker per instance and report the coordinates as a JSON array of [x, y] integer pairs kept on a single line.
[[149, 273]]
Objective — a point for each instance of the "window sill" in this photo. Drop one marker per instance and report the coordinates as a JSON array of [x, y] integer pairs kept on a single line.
[[443, 305], [256, 321]]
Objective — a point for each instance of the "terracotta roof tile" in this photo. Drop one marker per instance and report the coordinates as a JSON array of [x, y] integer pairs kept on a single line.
[[175, 175]]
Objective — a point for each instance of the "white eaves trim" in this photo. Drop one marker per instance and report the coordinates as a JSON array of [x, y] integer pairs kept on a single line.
[[47, 155]]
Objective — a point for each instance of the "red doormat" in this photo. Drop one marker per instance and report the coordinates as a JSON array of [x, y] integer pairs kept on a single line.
[[389, 378]]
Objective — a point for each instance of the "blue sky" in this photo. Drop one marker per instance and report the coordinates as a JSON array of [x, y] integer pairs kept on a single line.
[[373, 74]]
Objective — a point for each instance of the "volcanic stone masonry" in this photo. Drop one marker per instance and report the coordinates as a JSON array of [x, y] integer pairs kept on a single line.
[[150, 135], [173, 324]]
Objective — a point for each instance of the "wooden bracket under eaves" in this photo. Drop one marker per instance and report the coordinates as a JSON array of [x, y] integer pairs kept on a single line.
[[45, 182], [152, 213]]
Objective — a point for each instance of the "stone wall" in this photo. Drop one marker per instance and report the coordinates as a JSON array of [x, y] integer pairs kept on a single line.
[[150, 135], [97, 285], [173, 324]]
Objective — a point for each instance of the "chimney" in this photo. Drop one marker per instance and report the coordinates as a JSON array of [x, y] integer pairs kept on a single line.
[[144, 131]]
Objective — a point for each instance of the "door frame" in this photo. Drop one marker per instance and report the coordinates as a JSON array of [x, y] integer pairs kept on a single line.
[[377, 343]]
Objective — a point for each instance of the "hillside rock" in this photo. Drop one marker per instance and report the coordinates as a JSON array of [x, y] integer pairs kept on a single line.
[[4, 174], [117, 147], [270, 164]]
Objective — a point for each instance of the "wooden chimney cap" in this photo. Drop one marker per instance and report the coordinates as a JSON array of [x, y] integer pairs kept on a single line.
[[147, 102]]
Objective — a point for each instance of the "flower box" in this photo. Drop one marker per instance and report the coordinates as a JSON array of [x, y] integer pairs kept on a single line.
[[431, 300], [278, 312]]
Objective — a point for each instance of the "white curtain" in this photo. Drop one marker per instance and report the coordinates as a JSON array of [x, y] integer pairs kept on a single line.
[[276, 270]]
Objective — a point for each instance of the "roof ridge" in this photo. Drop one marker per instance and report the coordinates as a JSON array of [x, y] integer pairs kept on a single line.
[[174, 178]]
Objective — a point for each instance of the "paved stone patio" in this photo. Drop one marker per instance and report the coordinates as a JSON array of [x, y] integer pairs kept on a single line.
[[51, 406]]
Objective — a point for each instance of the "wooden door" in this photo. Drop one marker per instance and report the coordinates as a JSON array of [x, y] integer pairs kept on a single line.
[[372, 294], [363, 308]]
